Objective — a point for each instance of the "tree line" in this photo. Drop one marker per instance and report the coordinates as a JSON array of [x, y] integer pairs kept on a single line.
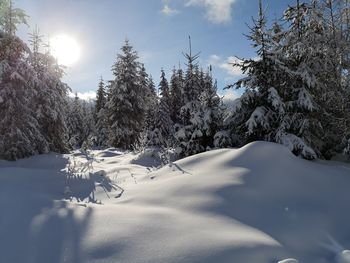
[[129, 114], [296, 93]]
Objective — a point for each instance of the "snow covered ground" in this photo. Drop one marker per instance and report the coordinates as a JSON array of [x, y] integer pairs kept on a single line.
[[257, 204]]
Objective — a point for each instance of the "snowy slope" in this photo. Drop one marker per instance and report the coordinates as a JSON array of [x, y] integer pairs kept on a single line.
[[256, 204]]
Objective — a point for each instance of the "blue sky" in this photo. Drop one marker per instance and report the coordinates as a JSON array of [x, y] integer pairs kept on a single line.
[[158, 29]]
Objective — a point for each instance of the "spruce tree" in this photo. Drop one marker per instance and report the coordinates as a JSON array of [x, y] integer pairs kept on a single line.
[[164, 124], [212, 110], [279, 104], [101, 116], [126, 104], [188, 132], [176, 90], [76, 123], [152, 136], [303, 52], [20, 134], [51, 96], [101, 97]]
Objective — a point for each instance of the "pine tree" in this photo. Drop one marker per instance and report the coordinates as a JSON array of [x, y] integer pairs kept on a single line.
[[101, 116], [152, 136], [151, 102], [334, 67], [126, 105], [212, 110], [176, 90], [188, 132], [51, 96], [20, 134], [252, 115], [164, 124], [75, 123], [101, 97], [89, 126], [277, 105], [11, 17], [344, 22], [303, 49]]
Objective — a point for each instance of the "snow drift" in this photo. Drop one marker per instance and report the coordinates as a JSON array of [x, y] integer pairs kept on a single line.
[[255, 204]]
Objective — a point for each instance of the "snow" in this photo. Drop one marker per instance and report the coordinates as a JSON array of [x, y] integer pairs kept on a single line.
[[289, 260], [255, 204], [276, 100], [257, 118], [305, 100]]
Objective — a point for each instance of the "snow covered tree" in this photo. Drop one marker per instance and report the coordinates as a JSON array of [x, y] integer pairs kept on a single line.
[[75, 123], [176, 90], [89, 131], [126, 104], [296, 89], [51, 96], [164, 124], [151, 136], [212, 110], [254, 115], [280, 103], [188, 133], [101, 97], [101, 116], [303, 49], [334, 71], [20, 134], [152, 101], [11, 17]]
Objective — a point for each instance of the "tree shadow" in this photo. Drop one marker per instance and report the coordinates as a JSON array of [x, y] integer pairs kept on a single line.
[[82, 188], [36, 224]]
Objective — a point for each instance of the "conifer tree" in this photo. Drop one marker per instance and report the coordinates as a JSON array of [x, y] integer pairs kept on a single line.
[[89, 125], [151, 102], [101, 116], [304, 45], [278, 104], [75, 123], [253, 114], [212, 110], [188, 132], [176, 90], [101, 97], [20, 134], [126, 101], [152, 135], [164, 124], [51, 96]]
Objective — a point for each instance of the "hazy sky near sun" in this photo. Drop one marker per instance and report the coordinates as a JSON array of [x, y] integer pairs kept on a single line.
[[158, 29]]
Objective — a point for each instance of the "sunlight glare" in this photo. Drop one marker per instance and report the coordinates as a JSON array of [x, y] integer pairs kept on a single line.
[[65, 49]]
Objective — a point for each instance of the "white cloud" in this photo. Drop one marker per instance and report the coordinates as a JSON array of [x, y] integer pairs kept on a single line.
[[226, 65], [217, 11], [168, 11], [89, 95]]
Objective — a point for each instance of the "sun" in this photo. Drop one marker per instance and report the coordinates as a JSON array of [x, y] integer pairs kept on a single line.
[[65, 49]]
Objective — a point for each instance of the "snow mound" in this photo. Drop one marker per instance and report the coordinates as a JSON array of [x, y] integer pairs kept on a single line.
[[255, 204]]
